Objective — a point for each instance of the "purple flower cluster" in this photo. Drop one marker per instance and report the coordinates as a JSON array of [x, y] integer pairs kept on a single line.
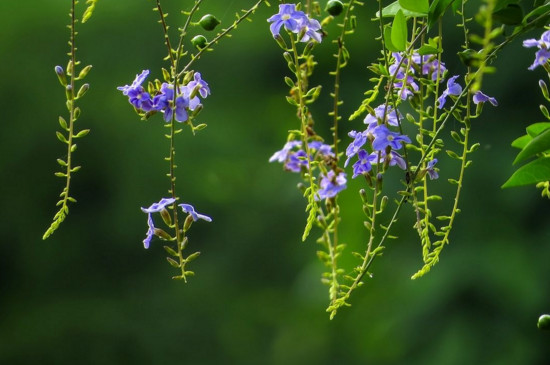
[[161, 206], [380, 140], [404, 71], [543, 54], [294, 160], [295, 21], [186, 99]]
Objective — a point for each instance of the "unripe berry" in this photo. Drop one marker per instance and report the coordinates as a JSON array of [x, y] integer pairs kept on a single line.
[[334, 7], [199, 41], [209, 22]]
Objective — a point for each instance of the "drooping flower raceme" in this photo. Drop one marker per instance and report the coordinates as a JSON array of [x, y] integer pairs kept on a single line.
[[543, 54], [295, 21]]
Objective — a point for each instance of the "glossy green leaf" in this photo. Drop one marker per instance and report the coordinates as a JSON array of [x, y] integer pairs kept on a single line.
[[399, 31], [522, 141], [388, 41], [530, 174], [537, 128], [418, 6], [392, 9], [539, 144]]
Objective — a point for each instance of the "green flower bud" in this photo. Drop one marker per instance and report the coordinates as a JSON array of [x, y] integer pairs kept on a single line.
[[199, 41], [334, 7], [209, 22], [61, 75]]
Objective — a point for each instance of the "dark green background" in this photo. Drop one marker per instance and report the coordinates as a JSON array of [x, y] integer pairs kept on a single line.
[[92, 295]]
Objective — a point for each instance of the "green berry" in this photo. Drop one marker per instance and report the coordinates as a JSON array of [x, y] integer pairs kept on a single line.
[[544, 322], [209, 22], [199, 41], [334, 7]]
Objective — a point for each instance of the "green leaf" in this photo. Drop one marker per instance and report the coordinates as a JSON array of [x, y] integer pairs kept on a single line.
[[545, 9], [540, 143], [537, 128], [387, 40], [392, 9], [510, 15], [436, 11], [418, 6], [399, 31], [532, 173], [522, 141], [426, 50]]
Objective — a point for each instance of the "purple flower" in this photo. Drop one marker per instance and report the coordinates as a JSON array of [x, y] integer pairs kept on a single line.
[[289, 17], [310, 27], [164, 101], [199, 84], [430, 169], [430, 66], [383, 138], [397, 159], [364, 163], [405, 85], [331, 185], [295, 161], [154, 208], [480, 97], [543, 54], [359, 139], [282, 155], [391, 117], [188, 208], [452, 89], [137, 96]]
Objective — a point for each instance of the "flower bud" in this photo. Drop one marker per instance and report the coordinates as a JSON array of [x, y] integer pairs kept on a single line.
[[209, 22], [544, 89], [61, 75], [82, 90], [379, 179], [188, 222], [163, 235], [334, 7], [69, 92], [199, 41], [166, 217], [280, 41], [183, 243], [84, 72]]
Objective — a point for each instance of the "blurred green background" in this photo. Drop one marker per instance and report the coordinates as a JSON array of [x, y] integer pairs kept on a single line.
[[92, 295]]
